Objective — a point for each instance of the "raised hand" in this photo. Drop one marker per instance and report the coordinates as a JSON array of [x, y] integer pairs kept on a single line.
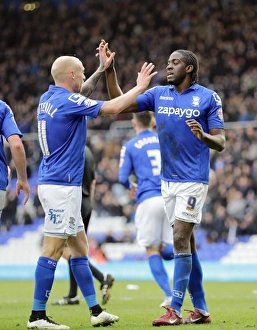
[[106, 57], [145, 75]]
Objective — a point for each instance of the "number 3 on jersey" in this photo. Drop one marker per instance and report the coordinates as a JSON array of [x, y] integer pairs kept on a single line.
[[155, 160]]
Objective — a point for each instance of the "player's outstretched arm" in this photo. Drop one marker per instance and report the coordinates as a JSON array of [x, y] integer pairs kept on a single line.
[[105, 61], [122, 102], [113, 86]]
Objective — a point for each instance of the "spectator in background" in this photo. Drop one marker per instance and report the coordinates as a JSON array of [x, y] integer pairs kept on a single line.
[[228, 28], [126, 236], [248, 226], [96, 252], [109, 238], [237, 204]]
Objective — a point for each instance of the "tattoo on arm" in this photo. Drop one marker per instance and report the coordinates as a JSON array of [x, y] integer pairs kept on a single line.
[[89, 85]]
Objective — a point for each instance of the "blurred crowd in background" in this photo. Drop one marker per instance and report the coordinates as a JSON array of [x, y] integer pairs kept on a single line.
[[222, 33]]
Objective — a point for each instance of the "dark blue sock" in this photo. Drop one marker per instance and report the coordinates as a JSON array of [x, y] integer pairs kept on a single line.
[[182, 270], [167, 253], [160, 274], [195, 286], [44, 277], [84, 278]]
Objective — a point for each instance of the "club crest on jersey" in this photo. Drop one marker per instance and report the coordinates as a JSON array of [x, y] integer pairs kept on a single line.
[[72, 221], [195, 101]]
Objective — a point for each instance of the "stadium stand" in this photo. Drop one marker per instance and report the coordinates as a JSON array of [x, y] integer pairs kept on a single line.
[[242, 253], [226, 44], [15, 244]]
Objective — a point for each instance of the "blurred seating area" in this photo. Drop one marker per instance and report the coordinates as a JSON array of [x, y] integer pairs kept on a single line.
[[114, 240], [222, 34]]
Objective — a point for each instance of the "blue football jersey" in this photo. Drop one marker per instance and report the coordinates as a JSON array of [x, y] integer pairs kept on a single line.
[[179, 161], [141, 156], [8, 127], [62, 135]]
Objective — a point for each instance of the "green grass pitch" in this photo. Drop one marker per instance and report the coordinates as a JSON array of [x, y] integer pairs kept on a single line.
[[232, 305]]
